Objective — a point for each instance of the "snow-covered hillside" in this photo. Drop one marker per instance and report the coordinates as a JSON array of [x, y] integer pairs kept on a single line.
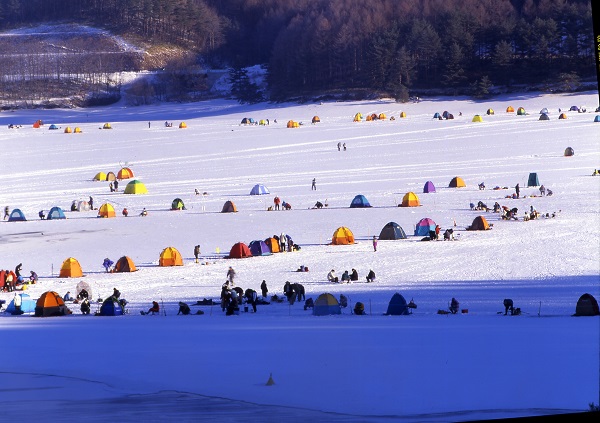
[[409, 367]]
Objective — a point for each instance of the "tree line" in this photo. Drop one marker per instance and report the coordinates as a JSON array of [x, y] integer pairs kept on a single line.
[[390, 46]]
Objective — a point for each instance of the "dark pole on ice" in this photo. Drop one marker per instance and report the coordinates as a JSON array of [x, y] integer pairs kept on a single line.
[[596, 19]]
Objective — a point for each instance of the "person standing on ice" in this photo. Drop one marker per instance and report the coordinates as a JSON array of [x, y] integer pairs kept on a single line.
[[264, 289], [196, 252], [314, 185], [339, 146], [276, 201], [230, 276], [374, 243], [517, 190]]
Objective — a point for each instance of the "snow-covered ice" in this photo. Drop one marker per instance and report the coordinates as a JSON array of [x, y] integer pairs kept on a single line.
[[350, 368]]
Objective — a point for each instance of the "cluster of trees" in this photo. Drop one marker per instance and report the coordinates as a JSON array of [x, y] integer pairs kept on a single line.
[[380, 45]]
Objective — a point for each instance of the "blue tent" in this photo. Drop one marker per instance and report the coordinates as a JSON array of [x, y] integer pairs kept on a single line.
[[53, 126], [424, 226], [437, 116], [429, 187], [27, 305], [111, 308], [397, 306], [259, 189], [360, 201], [16, 216], [533, 180], [597, 118], [392, 231], [55, 213], [325, 305], [259, 248]]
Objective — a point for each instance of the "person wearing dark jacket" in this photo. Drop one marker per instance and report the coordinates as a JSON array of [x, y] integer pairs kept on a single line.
[[371, 276], [454, 305], [263, 288], [154, 309], [354, 275], [252, 298], [184, 309], [197, 252]]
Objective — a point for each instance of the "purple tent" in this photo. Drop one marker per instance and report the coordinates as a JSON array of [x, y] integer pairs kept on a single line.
[[424, 226], [429, 187], [259, 248]]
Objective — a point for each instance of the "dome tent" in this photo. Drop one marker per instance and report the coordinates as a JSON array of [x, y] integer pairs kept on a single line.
[[392, 231], [106, 210], [55, 213], [429, 187], [135, 187], [111, 307], [544, 116], [259, 189], [100, 176], [479, 224], [569, 152], [125, 173], [123, 265], [360, 201], [170, 256], [239, 250], [16, 216], [229, 207], [457, 182], [397, 306], [325, 305], [587, 306], [83, 285], [27, 305], [70, 269], [273, 245], [342, 236], [259, 248], [50, 304], [410, 199], [424, 226], [177, 204]]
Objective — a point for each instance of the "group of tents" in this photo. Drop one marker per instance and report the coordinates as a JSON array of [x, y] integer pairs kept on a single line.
[[258, 247], [123, 173], [358, 117]]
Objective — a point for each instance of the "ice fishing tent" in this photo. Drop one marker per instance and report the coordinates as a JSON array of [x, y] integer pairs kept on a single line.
[[182, 125], [83, 206], [382, 116], [445, 114], [410, 199], [521, 111], [450, 116], [107, 126], [170, 256], [259, 189], [53, 127], [533, 180], [239, 250], [70, 269], [68, 130], [106, 210], [342, 236], [262, 122], [247, 121], [402, 114], [587, 306], [510, 109], [563, 116], [544, 116], [358, 117], [489, 112], [544, 111], [272, 245], [111, 307], [597, 118], [569, 152], [325, 305], [177, 204], [428, 187], [110, 176], [397, 306], [50, 304], [135, 187], [37, 123], [55, 213], [293, 124], [125, 173], [574, 109], [16, 216], [457, 182], [392, 231], [259, 248], [477, 118], [123, 265], [424, 226], [360, 201], [100, 176], [84, 286], [316, 119], [437, 115], [229, 207], [479, 224], [77, 130], [27, 305]]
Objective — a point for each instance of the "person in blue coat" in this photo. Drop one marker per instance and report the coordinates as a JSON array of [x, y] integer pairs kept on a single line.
[[108, 263]]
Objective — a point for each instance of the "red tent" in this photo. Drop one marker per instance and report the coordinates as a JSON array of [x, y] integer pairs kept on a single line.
[[240, 250]]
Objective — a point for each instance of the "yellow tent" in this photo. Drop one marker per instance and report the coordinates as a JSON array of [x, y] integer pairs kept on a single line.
[[292, 124], [357, 117], [510, 109], [262, 122], [107, 126], [68, 130], [135, 187], [477, 118], [490, 111], [70, 269], [100, 176], [170, 257], [182, 125], [410, 199], [106, 210], [562, 116], [402, 114], [110, 176], [382, 116], [316, 119], [369, 118], [457, 182], [342, 236], [77, 130]]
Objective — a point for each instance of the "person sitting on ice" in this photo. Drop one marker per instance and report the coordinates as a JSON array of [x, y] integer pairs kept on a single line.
[[154, 309], [85, 306], [346, 277], [449, 234], [144, 212], [354, 275], [68, 296], [318, 205], [331, 277], [42, 215], [371, 276], [184, 308], [359, 309], [33, 277], [508, 305], [454, 305]]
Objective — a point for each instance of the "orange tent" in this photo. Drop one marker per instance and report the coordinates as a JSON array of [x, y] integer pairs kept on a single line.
[[273, 245], [50, 304], [479, 224], [124, 264], [106, 210], [170, 257], [342, 236], [70, 269], [125, 173], [410, 199]]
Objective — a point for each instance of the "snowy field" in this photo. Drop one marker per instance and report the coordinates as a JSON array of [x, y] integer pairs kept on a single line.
[[422, 367]]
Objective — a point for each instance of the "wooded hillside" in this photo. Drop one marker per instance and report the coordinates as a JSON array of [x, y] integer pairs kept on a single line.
[[380, 45]]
